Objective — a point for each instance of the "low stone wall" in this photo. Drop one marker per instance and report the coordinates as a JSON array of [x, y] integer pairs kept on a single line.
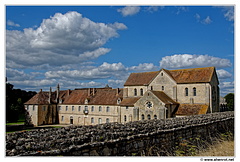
[[115, 139]]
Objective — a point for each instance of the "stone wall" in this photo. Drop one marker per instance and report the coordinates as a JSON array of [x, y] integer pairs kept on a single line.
[[115, 139]]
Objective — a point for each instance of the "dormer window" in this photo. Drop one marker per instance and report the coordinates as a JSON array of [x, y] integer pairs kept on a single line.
[[86, 101], [118, 101]]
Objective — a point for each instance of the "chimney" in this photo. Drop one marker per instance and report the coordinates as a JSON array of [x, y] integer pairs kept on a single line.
[[57, 93], [118, 90], [68, 92], [50, 95], [89, 91]]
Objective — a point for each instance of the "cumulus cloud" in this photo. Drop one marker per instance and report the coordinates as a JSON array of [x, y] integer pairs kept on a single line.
[[188, 60], [68, 37], [205, 21], [11, 23], [223, 74], [129, 10], [144, 67], [228, 12], [105, 70], [226, 87]]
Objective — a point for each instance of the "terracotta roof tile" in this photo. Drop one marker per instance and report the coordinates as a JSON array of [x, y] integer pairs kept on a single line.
[[129, 101], [43, 97], [194, 75], [164, 98], [192, 109], [140, 78]]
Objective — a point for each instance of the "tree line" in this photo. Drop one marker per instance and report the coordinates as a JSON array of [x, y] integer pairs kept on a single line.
[[15, 99]]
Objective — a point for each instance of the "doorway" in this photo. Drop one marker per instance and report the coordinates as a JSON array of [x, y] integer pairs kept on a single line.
[[71, 120]]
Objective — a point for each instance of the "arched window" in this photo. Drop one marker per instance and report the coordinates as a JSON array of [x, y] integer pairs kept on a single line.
[[92, 120], [194, 91], [125, 118], [141, 92], [107, 109], [107, 120], [100, 108], [135, 92], [149, 117], [99, 120], [142, 117], [186, 91], [155, 116]]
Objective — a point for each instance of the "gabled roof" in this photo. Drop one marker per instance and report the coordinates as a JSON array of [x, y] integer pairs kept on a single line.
[[192, 109], [129, 101], [141, 78], [193, 75], [164, 98], [42, 98]]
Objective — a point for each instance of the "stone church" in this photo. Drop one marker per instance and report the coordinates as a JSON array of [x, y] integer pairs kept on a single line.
[[145, 96]]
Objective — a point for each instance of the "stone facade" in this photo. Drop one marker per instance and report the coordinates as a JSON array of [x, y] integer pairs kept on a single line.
[[149, 95]]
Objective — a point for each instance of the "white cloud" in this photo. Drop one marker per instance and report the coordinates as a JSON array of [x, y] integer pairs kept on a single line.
[[181, 9], [188, 60], [68, 37], [144, 67], [105, 70], [129, 10], [226, 87], [207, 20], [228, 12], [11, 23], [223, 74]]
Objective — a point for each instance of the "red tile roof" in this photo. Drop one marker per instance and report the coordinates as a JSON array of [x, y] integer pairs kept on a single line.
[[129, 101], [164, 98], [192, 109], [140, 78], [194, 75]]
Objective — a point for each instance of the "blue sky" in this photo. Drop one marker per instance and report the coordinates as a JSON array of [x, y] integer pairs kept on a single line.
[[91, 46]]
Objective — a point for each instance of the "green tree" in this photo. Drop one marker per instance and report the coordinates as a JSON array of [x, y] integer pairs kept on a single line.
[[230, 101], [15, 99]]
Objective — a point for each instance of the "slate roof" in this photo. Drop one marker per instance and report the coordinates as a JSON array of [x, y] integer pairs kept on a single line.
[[192, 109], [193, 75]]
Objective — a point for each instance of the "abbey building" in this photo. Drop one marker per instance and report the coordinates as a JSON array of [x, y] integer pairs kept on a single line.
[[148, 95]]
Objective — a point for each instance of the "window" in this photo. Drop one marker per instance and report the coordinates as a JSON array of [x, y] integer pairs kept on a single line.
[[162, 88], [59, 108], [194, 91], [155, 116], [72, 108], [151, 88], [92, 120], [99, 120], [33, 107], [79, 108], [100, 108], [62, 119], [66, 108], [92, 109], [186, 91], [107, 120], [44, 108], [107, 109], [149, 117], [125, 118], [161, 74], [135, 92], [141, 92], [86, 108], [126, 107], [142, 117], [149, 104]]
